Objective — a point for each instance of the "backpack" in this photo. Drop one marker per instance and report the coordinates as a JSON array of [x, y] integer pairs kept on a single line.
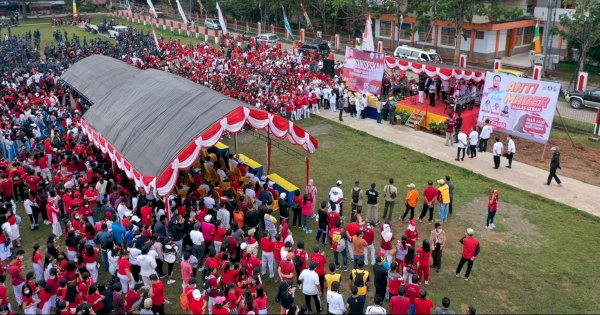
[[355, 195], [206, 282], [359, 279], [297, 260]]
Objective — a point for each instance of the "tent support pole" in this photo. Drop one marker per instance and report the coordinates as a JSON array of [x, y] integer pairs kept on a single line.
[[235, 144], [307, 159], [269, 151]]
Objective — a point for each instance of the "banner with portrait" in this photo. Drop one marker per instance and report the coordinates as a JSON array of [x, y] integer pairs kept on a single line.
[[519, 106], [363, 70]]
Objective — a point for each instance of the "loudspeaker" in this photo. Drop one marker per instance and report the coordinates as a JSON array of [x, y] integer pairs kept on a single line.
[[328, 67]]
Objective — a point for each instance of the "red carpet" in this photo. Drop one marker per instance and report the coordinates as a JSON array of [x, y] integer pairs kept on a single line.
[[469, 116]]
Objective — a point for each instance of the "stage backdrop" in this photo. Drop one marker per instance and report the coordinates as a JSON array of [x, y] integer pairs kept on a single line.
[[363, 70], [521, 107]]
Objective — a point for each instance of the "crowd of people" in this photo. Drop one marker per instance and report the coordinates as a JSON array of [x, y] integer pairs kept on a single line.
[[114, 247]]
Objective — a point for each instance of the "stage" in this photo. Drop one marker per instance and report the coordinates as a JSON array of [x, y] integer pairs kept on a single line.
[[435, 114]]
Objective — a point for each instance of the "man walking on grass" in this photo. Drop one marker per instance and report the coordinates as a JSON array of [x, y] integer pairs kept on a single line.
[[471, 249]]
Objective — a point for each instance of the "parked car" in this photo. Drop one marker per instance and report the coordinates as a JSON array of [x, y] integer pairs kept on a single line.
[[321, 47], [412, 53], [212, 24], [117, 31], [579, 99], [516, 73], [269, 39]]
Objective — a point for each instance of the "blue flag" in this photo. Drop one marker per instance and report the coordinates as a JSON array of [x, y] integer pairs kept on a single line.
[[288, 28]]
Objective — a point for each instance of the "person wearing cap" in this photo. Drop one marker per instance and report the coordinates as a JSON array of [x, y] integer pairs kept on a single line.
[[492, 207], [390, 192], [444, 199], [147, 309], [437, 238], [554, 165], [471, 249], [412, 233], [197, 303], [336, 192], [412, 196]]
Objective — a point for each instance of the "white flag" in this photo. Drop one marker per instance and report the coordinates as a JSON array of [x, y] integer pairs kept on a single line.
[[222, 20], [181, 12], [367, 39], [152, 9]]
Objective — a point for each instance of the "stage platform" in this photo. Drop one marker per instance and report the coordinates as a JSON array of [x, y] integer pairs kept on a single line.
[[436, 113]]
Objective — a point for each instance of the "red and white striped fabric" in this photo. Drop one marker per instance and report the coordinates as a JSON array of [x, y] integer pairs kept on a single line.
[[164, 183], [444, 73]]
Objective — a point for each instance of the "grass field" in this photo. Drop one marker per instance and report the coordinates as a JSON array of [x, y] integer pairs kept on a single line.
[[540, 259], [47, 30]]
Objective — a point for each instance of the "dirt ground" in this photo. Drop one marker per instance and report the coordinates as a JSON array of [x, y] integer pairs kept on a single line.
[[580, 162]]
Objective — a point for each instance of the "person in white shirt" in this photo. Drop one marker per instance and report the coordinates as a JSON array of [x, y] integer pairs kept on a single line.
[[462, 146], [497, 151], [361, 104], [311, 287], [510, 151], [29, 204], [335, 301], [336, 193], [325, 96], [376, 308], [122, 208], [147, 262], [486, 133], [333, 102], [473, 138]]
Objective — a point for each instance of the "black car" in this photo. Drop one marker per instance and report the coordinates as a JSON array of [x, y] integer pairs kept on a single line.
[[579, 99], [321, 47]]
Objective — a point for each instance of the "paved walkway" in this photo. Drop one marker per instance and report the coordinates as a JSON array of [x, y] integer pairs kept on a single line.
[[573, 193]]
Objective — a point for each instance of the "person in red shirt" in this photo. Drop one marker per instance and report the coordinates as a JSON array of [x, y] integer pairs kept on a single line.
[[91, 195], [267, 255], [424, 255], [3, 291], [33, 181], [430, 194], [218, 308], [492, 207], [197, 304], [351, 230], [134, 298], [44, 296], [412, 288], [318, 256], [399, 304], [470, 251], [14, 271], [422, 304], [412, 234], [146, 212], [94, 298], [369, 237], [157, 294]]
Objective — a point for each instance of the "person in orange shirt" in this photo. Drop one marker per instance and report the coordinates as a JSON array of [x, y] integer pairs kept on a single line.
[[238, 216], [412, 196]]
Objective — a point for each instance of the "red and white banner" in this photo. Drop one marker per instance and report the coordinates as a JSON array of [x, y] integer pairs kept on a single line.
[[232, 123], [363, 70], [434, 71], [518, 106]]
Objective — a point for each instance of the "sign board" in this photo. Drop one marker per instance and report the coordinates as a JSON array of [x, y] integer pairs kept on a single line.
[[518, 106], [363, 70]]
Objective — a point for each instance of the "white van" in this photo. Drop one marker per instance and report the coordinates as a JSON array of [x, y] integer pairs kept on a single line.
[[417, 54]]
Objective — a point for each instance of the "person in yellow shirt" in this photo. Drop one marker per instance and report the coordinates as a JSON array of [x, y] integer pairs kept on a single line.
[[412, 196], [444, 199], [360, 278], [332, 277]]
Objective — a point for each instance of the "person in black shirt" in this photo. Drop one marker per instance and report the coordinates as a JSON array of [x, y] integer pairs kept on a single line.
[[372, 200], [554, 165], [322, 216], [356, 303], [251, 219], [284, 208], [380, 277]]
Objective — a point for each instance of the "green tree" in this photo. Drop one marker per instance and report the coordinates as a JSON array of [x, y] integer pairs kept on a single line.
[[460, 11], [583, 28]]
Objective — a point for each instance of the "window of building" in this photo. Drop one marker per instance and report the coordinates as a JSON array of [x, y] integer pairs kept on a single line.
[[405, 31], [425, 35], [479, 35], [385, 29], [448, 36], [528, 33]]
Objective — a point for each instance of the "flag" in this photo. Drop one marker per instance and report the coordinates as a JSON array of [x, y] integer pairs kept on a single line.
[[367, 39], [221, 20], [286, 23], [181, 12], [74, 9], [200, 4], [305, 15], [152, 9], [154, 35], [537, 42]]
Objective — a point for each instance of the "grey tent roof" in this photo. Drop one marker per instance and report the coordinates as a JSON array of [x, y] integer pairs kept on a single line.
[[149, 116]]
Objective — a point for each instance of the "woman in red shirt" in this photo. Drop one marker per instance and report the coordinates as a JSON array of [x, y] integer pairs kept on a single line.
[[124, 271], [423, 256], [90, 256], [492, 207], [261, 300], [37, 263]]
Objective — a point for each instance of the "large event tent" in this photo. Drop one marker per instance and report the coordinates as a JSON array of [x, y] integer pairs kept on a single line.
[[153, 123]]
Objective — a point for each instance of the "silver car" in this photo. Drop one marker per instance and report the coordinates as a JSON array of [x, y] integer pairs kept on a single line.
[[212, 24], [269, 39]]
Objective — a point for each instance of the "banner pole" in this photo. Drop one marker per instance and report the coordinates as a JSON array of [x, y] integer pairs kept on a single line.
[[544, 151], [566, 129]]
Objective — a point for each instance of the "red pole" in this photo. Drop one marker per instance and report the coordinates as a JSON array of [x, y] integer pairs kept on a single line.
[[307, 159]]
